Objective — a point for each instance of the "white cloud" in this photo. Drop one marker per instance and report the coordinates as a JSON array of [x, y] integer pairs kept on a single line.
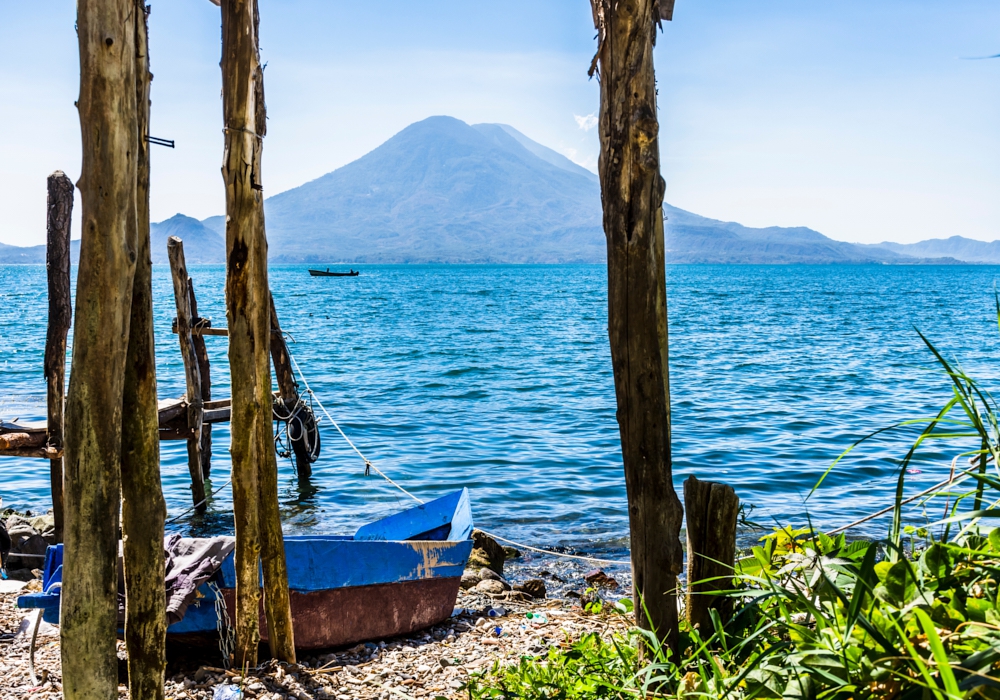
[[586, 123]]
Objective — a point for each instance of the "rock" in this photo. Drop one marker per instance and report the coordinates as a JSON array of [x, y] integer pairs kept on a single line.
[[492, 587], [486, 552], [45, 525], [489, 574], [21, 574], [534, 587], [470, 579], [511, 553], [599, 578], [19, 529]]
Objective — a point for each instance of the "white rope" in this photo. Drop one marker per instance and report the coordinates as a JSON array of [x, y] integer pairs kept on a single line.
[[368, 463], [556, 554], [201, 502]]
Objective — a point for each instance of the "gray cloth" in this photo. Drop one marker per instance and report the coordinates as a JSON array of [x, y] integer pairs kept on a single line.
[[190, 562]]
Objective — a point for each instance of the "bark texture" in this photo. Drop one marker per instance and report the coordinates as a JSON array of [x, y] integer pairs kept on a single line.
[[288, 389], [143, 507], [106, 30], [204, 371], [711, 511], [60, 214], [192, 374], [247, 312], [632, 198]]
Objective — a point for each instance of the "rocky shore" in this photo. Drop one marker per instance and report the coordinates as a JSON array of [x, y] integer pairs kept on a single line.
[[501, 616]]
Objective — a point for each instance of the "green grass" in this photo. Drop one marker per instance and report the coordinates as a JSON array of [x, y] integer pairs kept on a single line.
[[912, 617]]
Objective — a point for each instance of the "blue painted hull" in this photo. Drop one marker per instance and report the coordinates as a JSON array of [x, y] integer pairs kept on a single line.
[[394, 576]]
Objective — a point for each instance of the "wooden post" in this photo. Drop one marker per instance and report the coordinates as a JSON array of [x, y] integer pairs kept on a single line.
[[711, 510], [192, 377], [143, 507], [288, 390], [92, 476], [632, 197], [60, 214], [204, 371], [254, 481]]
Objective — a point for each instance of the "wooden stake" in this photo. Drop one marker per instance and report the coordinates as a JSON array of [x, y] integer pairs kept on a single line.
[[91, 479], [192, 376], [243, 110], [57, 263], [711, 510], [143, 507], [289, 390], [204, 371], [632, 196]]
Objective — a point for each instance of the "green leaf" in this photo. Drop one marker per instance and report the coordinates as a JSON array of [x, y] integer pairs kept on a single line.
[[898, 586], [936, 561], [944, 669]]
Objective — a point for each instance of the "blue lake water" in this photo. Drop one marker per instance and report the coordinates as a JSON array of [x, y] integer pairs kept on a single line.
[[499, 378]]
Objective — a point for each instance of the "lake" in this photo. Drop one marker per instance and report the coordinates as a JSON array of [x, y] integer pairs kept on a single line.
[[499, 378]]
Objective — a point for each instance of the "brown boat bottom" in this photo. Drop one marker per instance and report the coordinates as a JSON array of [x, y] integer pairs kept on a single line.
[[341, 616]]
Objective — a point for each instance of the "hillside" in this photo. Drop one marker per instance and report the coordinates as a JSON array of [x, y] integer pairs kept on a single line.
[[445, 191], [957, 247]]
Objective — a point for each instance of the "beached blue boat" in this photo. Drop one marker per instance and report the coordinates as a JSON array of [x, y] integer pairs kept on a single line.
[[393, 576]]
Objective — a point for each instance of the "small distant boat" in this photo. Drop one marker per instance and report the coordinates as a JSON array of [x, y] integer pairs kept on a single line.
[[327, 273], [393, 576]]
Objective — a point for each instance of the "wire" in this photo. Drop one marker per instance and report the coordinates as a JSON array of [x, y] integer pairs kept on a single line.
[[368, 463], [199, 503], [556, 554]]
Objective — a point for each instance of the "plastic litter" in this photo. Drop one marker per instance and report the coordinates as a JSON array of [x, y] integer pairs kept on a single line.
[[537, 618], [498, 631], [227, 692], [498, 611]]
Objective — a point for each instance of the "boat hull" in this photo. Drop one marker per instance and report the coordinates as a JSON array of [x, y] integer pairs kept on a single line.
[[342, 616]]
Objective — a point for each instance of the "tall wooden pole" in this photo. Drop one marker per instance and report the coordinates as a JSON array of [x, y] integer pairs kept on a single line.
[[60, 214], [289, 392], [143, 507], [89, 609], [632, 197], [249, 324], [192, 374], [205, 374]]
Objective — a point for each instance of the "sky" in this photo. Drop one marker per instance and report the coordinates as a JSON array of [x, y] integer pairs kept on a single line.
[[865, 121]]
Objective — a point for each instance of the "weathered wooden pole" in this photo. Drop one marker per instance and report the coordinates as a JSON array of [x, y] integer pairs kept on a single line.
[[632, 197], [91, 479], [204, 371], [288, 390], [248, 321], [711, 511], [57, 257], [143, 507], [192, 376]]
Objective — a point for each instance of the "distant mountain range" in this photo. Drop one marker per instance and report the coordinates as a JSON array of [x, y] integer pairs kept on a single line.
[[442, 190]]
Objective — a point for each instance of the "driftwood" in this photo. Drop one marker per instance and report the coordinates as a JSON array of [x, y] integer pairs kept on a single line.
[[60, 214], [143, 507], [192, 375], [632, 197], [204, 371], [247, 321], [711, 510], [91, 478]]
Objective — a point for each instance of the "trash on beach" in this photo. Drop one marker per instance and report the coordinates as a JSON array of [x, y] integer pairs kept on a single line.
[[227, 692], [537, 618], [498, 611]]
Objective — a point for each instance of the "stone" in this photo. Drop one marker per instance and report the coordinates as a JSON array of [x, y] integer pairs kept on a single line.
[[470, 579], [487, 552], [534, 587], [489, 574], [511, 553], [601, 579], [19, 529], [492, 587]]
